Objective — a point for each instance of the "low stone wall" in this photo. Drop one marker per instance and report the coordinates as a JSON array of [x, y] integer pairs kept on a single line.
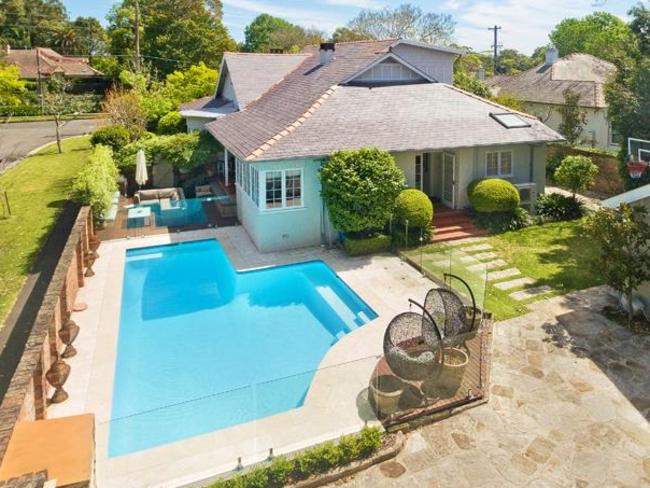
[[28, 393], [608, 181]]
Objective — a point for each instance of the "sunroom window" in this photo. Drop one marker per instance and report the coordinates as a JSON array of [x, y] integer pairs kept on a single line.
[[283, 189], [498, 163]]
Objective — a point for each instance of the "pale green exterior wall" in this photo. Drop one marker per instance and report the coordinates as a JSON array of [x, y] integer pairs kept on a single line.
[[196, 124], [275, 230]]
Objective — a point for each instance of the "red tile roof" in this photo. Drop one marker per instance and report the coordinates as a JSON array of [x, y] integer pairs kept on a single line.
[[51, 63]]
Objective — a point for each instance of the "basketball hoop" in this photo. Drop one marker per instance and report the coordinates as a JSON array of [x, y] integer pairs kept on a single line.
[[636, 168]]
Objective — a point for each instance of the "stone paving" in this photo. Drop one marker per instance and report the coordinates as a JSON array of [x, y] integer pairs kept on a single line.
[[569, 407]]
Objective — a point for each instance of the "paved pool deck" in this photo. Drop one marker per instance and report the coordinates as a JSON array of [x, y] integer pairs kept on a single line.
[[569, 407], [335, 404]]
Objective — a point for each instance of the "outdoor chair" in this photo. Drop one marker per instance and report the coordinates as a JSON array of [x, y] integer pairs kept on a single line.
[[203, 191], [412, 346]]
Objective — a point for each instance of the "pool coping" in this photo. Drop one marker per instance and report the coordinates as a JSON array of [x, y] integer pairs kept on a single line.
[[330, 409]]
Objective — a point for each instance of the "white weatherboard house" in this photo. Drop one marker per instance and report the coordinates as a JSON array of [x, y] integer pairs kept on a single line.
[[541, 89], [278, 117]]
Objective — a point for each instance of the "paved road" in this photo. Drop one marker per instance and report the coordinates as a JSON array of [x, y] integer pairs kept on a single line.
[[17, 140]]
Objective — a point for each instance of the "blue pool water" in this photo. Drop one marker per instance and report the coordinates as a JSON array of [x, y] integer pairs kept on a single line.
[[180, 213], [202, 347]]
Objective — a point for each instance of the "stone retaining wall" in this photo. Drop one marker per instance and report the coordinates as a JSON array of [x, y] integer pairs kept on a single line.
[[27, 396]]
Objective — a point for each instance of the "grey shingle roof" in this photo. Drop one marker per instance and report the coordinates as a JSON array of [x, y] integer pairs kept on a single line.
[[431, 116], [244, 132], [582, 73], [253, 74]]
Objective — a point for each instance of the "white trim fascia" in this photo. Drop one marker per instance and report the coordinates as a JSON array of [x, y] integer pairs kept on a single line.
[[381, 59], [431, 47]]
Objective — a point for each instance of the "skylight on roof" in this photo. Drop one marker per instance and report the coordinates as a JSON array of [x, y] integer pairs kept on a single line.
[[510, 120]]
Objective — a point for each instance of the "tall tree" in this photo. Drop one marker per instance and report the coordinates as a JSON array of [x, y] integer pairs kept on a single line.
[[600, 34], [640, 26], [91, 36], [258, 34], [174, 33], [406, 22], [345, 34], [31, 23], [573, 116], [511, 62]]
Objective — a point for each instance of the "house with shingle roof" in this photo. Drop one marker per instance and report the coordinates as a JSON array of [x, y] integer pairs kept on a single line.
[[279, 116], [542, 88]]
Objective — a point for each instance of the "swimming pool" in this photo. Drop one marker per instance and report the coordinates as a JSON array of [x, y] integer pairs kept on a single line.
[[203, 347], [175, 213]]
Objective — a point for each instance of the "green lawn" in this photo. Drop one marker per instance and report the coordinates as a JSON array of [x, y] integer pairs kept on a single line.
[[37, 188], [555, 254]]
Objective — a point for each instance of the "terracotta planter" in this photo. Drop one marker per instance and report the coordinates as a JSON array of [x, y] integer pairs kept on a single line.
[[386, 391], [453, 370], [56, 376]]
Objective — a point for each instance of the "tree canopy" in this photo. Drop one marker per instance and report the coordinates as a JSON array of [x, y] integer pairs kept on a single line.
[[600, 34], [406, 22], [174, 33], [267, 32], [31, 23], [12, 88]]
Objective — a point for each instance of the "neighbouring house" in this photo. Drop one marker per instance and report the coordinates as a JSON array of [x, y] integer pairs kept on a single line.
[[278, 117], [541, 89], [43, 63]]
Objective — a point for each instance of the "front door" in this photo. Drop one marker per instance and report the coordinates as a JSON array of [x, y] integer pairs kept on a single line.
[[426, 174], [448, 179]]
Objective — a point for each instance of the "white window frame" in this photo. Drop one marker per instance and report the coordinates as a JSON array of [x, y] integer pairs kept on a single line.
[[500, 172], [418, 184], [283, 208]]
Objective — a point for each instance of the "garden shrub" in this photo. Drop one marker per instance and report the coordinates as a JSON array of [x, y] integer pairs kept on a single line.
[[180, 150], [497, 222], [316, 460], [113, 136], [358, 246], [96, 182], [554, 207], [172, 123], [576, 173], [552, 164], [359, 188], [414, 207], [493, 195]]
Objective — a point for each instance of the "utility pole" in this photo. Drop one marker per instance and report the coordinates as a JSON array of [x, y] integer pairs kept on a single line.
[[496, 30], [40, 81], [137, 35]]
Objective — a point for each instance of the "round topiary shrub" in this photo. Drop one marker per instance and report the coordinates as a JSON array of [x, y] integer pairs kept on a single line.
[[493, 195], [113, 136], [414, 206], [172, 123]]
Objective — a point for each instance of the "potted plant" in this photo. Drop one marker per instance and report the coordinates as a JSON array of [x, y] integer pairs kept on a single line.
[[386, 391], [453, 370]]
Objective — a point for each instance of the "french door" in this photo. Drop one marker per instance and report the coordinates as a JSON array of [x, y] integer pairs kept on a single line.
[[449, 179]]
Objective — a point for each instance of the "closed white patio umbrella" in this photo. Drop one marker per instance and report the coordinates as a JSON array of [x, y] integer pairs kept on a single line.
[[141, 175]]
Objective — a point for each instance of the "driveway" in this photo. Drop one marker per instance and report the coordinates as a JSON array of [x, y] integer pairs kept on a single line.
[[17, 140], [569, 407]]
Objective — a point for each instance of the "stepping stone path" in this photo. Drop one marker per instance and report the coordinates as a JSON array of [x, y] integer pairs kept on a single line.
[[481, 256], [497, 263], [477, 247], [530, 292], [503, 273], [465, 241], [507, 285]]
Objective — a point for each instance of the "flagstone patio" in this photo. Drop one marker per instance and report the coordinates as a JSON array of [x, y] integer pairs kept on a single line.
[[569, 407]]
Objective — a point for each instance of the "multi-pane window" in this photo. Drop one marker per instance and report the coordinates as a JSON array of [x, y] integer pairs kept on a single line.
[[498, 163], [293, 188], [418, 172], [273, 197]]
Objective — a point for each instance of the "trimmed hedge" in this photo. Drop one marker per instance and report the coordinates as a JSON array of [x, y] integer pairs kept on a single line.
[[358, 246], [316, 460], [497, 222], [172, 123], [113, 136], [96, 182], [414, 206], [493, 195], [553, 207]]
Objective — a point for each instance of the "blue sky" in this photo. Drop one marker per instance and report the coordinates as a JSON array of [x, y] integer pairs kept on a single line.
[[525, 23]]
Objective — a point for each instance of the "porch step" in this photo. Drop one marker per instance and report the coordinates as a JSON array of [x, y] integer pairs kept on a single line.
[[451, 225]]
